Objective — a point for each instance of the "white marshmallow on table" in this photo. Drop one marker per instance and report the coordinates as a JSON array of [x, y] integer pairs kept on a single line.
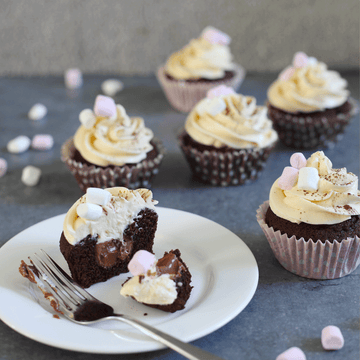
[[37, 112], [30, 175], [87, 118], [42, 142], [97, 196], [211, 106], [141, 262], [298, 160], [105, 106], [89, 211], [288, 178], [73, 78], [294, 353], [332, 338], [308, 179], [19, 144], [111, 86], [3, 167]]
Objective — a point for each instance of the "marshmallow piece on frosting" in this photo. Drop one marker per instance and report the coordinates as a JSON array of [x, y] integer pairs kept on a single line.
[[298, 160], [141, 262], [287, 73], [73, 78], [37, 112], [97, 196], [19, 144], [30, 175], [87, 118], [308, 179], [105, 106], [220, 90], [89, 211], [3, 167], [215, 36], [288, 178], [300, 59], [42, 142], [211, 106], [294, 353], [111, 86], [332, 338]]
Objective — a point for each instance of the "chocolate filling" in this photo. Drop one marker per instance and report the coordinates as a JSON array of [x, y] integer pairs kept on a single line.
[[169, 264], [109, 252]]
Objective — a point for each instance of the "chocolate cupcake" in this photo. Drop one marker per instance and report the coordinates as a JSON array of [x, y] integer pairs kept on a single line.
[[312, 218], [112, 149], [227, 138], [204, 63], [104, 229], [162, 284], [309, 104]]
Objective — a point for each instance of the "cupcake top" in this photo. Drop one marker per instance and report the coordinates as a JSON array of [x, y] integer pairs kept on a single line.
[[108, 136], [311, 191], [225, 118], [207, 57], [307, 86], [105, 213]]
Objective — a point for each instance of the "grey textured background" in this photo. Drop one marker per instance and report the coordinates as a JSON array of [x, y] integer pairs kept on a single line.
[[134, 37]]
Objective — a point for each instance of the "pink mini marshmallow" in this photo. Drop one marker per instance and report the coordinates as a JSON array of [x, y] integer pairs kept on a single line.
[[42, 142], [220, 90], [287, 73], [332, 338], [73, 78], [288, 178], [215, 36], [294, 353], [104, 106], [300, 59], [141, 262], [298, 160], [3, 167]]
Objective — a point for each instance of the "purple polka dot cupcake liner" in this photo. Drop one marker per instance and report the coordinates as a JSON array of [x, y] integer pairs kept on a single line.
[[309, 259]]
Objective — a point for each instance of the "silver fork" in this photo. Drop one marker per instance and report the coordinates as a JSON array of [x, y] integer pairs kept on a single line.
[[77, 305]]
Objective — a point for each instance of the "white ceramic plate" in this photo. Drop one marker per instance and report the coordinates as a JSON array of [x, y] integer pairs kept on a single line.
[[224, 276]]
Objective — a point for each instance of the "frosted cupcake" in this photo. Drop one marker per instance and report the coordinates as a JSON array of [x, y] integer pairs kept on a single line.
[[112, 149], [202, 64], [227, 138], [309, 104], [311, 220]]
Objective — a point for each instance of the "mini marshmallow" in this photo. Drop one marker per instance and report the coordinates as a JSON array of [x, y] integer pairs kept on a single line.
[[298, 160], [19, 145], [308, 179], [141, 262], [89, 211], [332, 338], [37, 112], [294, 353], [300, 59], [73, 78], [288, 178], [97, 196], [42, 142], [87, 118], [215, 36], [287, 73], [211, 106], [111, 86], [3, 167], [105, 106], [30, 175], [220, 90]]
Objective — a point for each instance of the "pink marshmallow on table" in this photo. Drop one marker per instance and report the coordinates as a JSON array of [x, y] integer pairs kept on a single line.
[[219, 91], [332, 338], [73, 78], [300, 59], [3, 167], [287, 73], [294, 353], [104, 106], [215, 36], [42, 142], [141, 262], [288, 178], [298, 160]]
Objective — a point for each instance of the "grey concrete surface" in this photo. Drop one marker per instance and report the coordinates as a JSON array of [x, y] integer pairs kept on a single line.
[[286, 310], [135, 37]]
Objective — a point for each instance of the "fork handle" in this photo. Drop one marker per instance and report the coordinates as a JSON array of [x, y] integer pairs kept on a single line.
[[189, 351]]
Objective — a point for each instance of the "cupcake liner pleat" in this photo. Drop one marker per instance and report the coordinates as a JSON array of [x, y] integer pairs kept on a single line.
[[183, 96], [314, 260]]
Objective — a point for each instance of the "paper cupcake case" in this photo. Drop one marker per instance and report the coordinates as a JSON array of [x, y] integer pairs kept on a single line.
[[314, 260], [183, 96], [132, 177]]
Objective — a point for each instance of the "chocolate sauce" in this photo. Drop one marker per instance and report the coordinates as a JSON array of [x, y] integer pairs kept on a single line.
[[109, 252], [28, 271], [93, 310]]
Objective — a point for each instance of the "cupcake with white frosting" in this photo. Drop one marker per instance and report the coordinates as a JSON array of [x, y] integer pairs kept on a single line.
[[309, 104], [112, 149], [312, 218], [227, 138], [204, 63]]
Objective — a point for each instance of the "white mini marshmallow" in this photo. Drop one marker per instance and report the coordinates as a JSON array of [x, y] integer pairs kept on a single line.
[[294, 353], [111, 87], [298, 160], [97, 196], [37, 112], [87, 118], [308, 179], [3, 167], [19, 145], [89, 211], [30, 175], [42, 142], [220, 90], [141, 262], [105, 106], [215, 36], [332, 338], [211, 106], [73, 78]]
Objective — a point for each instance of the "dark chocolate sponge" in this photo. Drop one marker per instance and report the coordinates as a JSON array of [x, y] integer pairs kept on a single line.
[[228, 75]]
